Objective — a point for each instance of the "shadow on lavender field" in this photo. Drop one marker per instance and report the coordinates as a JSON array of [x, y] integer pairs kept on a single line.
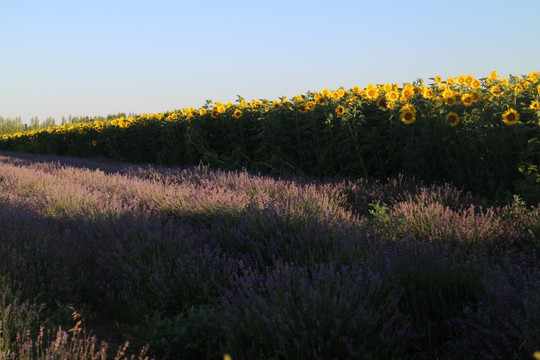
[[198, 262]]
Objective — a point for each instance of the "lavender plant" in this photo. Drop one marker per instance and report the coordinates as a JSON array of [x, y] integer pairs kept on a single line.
[[196, 262]]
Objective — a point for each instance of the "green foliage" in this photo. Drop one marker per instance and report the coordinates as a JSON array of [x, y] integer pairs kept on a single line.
[[196, 333]]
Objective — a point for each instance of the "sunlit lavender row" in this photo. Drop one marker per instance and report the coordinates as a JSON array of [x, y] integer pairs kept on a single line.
[[197, 263]]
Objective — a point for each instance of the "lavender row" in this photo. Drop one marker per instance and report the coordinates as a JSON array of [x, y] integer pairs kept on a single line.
[[199, 262]]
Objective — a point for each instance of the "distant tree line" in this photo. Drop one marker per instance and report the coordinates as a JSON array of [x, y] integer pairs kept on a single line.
[[13, 125]]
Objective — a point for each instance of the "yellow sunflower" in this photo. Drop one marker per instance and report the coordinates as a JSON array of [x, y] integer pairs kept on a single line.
[[371, 92], [392, 96], [407, 92], [237, 113], [467, 99], [321, 100], [437, 79], [476, 84], [450, 81], [510, 117], [340, 110], [408, 114], [475, 95], [428, 93], [495, 90], [452, 119], [535, 105], [447, 94]]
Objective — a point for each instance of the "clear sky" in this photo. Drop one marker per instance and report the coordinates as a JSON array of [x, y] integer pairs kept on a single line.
[[99, 57]]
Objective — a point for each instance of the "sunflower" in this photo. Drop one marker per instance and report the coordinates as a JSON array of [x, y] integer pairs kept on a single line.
[[450, 81], [495, 90], [535, 105], [408, 114], [371, 92], [321, 100], [476, 84], [510, 117], [437, 79], [202, 111], [276, 104], [447, 94], [392, 96], [467, 99], [427, 93], [381, 101], [340, 110], [407, 92], [493, 75], [94, 143], [237, 113], [518, 88], [452, 119], [255, 104], [460, 80], [215, 113]]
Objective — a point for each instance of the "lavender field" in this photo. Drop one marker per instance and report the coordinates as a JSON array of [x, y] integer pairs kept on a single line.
[[197, 263]]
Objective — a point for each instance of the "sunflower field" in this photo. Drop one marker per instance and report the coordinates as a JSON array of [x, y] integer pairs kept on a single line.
[[481, 135]]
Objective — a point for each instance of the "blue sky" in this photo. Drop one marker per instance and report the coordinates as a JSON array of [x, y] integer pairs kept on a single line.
[[102, 57]]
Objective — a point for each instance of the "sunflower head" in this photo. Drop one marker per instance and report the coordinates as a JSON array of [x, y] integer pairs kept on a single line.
[[408, 114], [340, 110], [321, 100], [467, 99], [475, 84], [237, 113], [535, 105], [510, 117], [452, 119]]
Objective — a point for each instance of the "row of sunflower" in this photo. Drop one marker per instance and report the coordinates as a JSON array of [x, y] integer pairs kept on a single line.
[[472, 126]]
